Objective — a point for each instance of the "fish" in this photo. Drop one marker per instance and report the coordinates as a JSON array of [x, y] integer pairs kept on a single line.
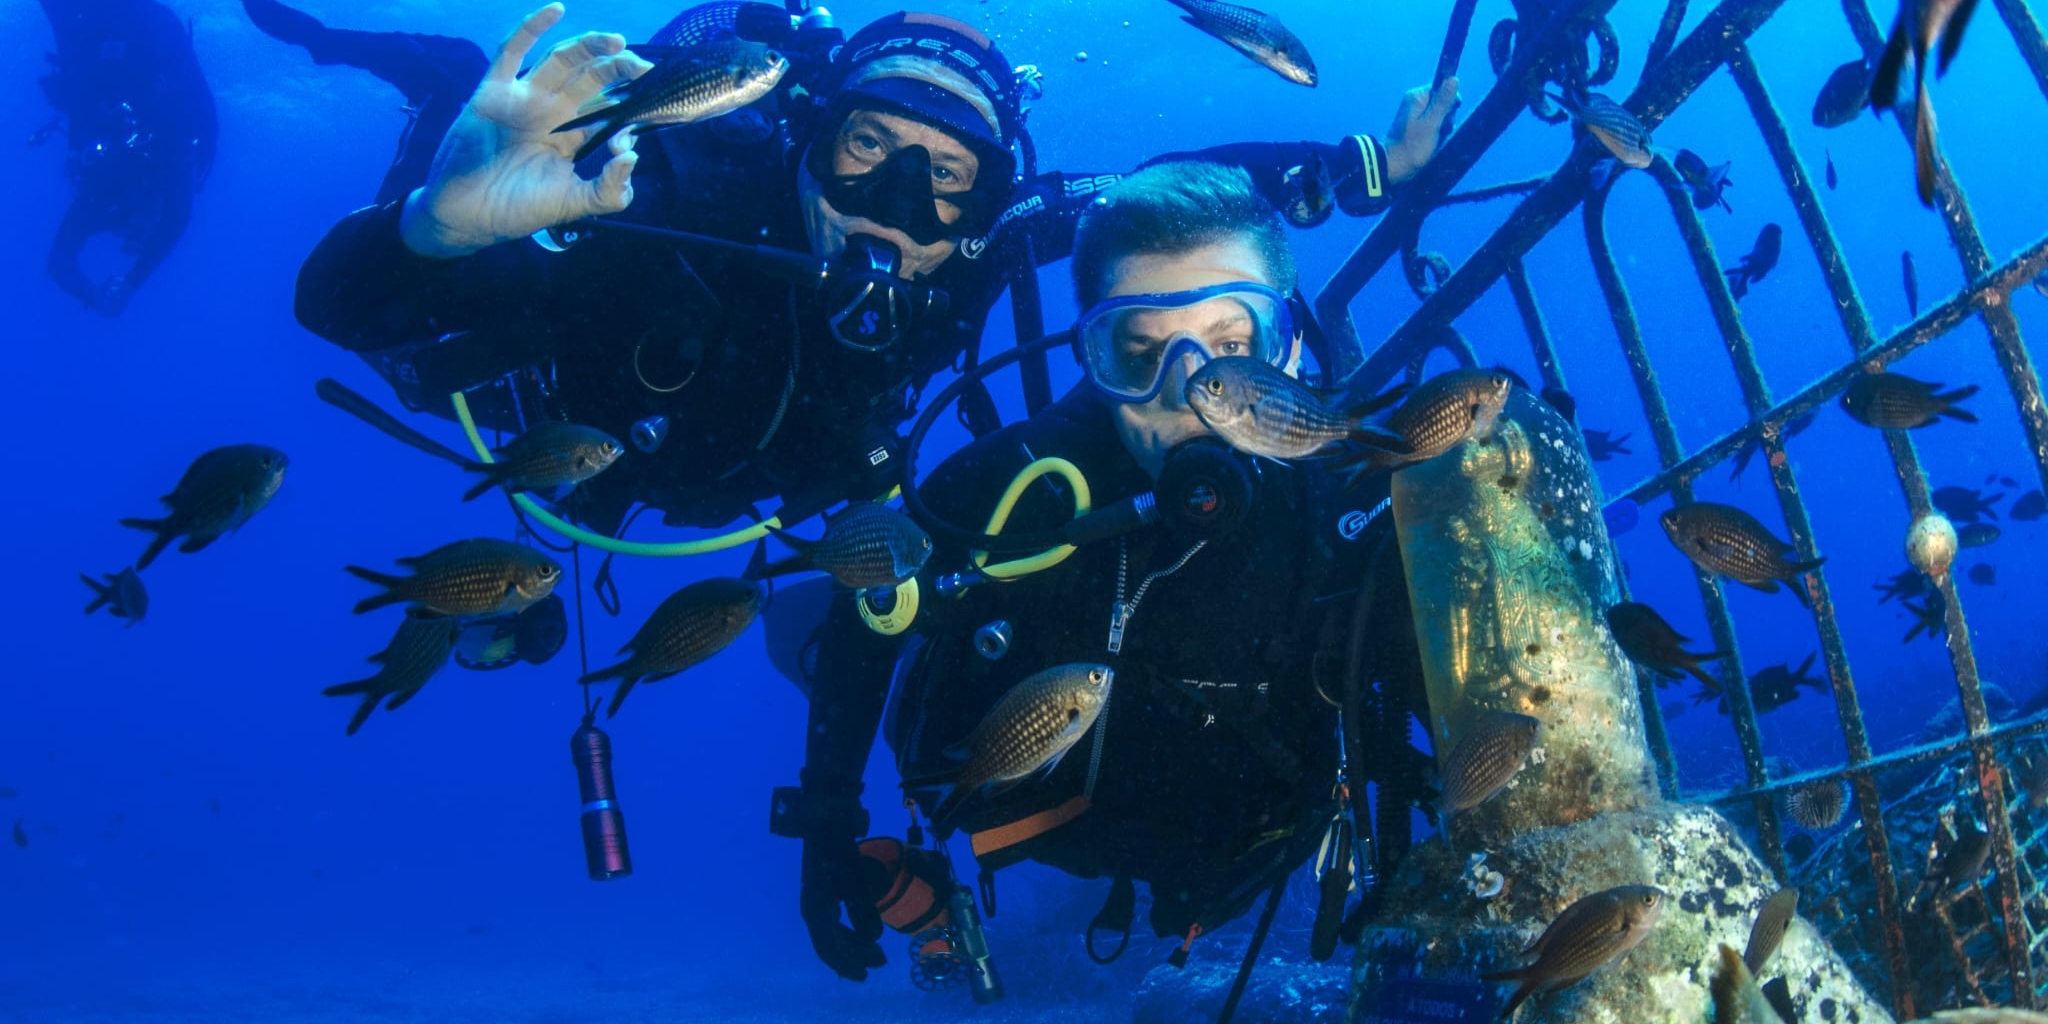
[[1761, 260], [1769, 929], [1843, 96], [685, 630], [2030, 506], [2031, 777], [1921, 26], [1588, 935], [218, 493], [1610, 123], [549, 454], [1977, 535], [1832, 177], [1449, 409], [484, 576], [1725, 540], [1907, 583], [1929, 617], [1259, 409], [695, 84], [1254, 33], [1964, 504], [1891, 401], [1965, 858], [1602, 445], [417, 651], [1736, 997], [866, 545], [1796, 426], [1650, 641], [1816, 805], [1621, 516], [1984, 574], [1030, 728], [1912, 282], [1311, 196], [1705, 183], [1486, 758], [20, 833], [122, 595], [1775, 687]]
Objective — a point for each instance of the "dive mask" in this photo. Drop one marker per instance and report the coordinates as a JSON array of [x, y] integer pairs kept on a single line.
[[1130, 345], [898, 193]]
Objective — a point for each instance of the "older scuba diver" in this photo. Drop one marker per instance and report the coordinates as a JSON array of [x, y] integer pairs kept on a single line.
[[141, 130], [849, 234], [1233, 621]]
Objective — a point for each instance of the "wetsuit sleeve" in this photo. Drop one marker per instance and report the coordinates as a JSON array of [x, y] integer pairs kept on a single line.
[[1357, 166]]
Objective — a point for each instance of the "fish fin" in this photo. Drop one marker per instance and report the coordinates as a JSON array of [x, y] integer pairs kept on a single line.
[[495, 475], [1375, 403], [795, 563], [1602, 172], [162, 529], [194, 544], [1955, 396], [389, 582], [1952, 35], [1713, 686], [619, 695], [1799, 568], [347, 689], [398, 699], [617, 671], [928, 780], [1738, 281], [1378, 439], [1923, 146], [943, 813], [597, 140], [103, 593], [1884, 83], [363, 710]]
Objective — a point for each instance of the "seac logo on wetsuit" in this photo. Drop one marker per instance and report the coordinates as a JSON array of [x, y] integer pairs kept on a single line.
[[1354, 522], [972, 248]]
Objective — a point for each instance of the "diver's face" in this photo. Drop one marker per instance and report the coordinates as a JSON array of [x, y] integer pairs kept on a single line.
[[1150, 429], [864, 140]]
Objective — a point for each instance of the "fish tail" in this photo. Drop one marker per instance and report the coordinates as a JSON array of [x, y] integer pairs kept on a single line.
[[597, 139], [495, 474], [1378, 440], [942, 815], [103, 593], [1366, 407], [613, 672], [389, 582], [1738, 281], [345, 689], [1952, 35], [398, 699], [930, 779], [1923, 145], [370, 694], [363, 710], [1525, 987], [619, 695], [157, 544], [1884, 84], [1712, 685], [1950, 399]]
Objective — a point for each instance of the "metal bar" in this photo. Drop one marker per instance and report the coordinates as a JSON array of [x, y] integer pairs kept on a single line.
[[2027, 33], [1480, 195], [1690, 64], [1896, 759], [1532, 322], [1667, 33], [1987, 289], [1454, 42]]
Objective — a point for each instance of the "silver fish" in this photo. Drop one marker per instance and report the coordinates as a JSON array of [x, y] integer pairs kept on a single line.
[[1589, 935], [696, 84], [693, 624], [1259, 409], [866, 544], [485, 576], [1254, 33], [1029, 730], [417, 651]]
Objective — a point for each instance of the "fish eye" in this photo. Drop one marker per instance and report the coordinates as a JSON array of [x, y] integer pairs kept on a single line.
[[1216, 386]]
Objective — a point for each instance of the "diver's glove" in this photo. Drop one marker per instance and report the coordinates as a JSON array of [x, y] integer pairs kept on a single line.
[[835, 875], [503, 173]]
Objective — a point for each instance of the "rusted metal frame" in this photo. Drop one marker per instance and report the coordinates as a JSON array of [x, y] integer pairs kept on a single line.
[[1455, 34], [1488, 119], [1734, 681], [1932, 324], [1667, 33], [1506, 188], [2027, 33], [1989, 739], [1689, 65], [1756, 396], [1905, 460], [2025, 385]]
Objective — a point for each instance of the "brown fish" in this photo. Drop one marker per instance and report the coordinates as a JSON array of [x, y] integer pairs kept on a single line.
[[1725, 540], [415, 653], [1769, 929], [1448, 409], [2032, 777], [1030, 728], [1816, 805], [866, 544], [1922, 26], [1610, 123], [1965, 858], [1737, 999], [1259, 409], [485, 576], [695, 84], [1890, 401], [1651, 642], [1486, 758], [217, 494], [695, 623], [549, 454], [1589, 935]]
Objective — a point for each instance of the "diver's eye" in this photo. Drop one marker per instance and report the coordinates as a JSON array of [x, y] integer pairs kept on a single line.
[[1232, 348], [1216, 386], [864, 147], [944, 175]]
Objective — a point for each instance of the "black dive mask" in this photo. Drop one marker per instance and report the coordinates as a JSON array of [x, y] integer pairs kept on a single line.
[[898, 194], [869, 307], [1206, 487]]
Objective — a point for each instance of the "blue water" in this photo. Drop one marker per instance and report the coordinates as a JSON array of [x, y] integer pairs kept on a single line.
[[206, 845]]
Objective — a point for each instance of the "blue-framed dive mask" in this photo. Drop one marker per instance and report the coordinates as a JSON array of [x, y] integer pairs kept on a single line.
[[1131, 346]]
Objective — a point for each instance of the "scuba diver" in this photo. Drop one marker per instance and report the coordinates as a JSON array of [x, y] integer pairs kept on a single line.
[[437, 75], [841, 241], [141, 130], [1255, 601]]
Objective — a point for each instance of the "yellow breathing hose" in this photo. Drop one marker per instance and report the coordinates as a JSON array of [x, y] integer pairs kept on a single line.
[[1021, 567]]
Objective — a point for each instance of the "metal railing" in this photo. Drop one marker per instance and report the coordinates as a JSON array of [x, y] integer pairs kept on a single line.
[[1549, 43]]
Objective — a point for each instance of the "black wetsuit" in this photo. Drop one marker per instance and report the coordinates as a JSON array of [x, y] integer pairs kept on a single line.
[[760, 400], [1218, 756], [437, 75], [142, 132]]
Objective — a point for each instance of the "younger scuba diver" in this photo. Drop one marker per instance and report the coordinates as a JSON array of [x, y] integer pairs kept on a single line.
[[1261, 599], [141, 130], [851, 230]]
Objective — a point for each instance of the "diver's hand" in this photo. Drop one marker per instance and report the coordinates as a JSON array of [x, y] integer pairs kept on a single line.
[[832, 869], [502, 173], [1413, 138]]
